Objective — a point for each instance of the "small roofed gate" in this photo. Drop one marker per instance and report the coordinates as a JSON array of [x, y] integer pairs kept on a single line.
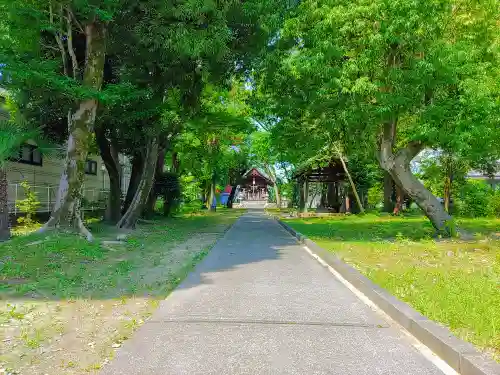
[[334, 189], [254, 186]]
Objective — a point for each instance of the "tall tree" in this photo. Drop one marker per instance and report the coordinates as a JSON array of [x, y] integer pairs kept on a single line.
[[397, 76], [61, 46]]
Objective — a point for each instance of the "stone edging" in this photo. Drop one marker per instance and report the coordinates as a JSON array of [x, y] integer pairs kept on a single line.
[[458, 354]]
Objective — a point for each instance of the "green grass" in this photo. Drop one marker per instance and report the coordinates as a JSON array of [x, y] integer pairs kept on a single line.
[[456, 283], [66, 266], [60, 291]]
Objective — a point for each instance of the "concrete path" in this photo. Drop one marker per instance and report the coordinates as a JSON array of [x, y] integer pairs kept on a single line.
[[260, 304]]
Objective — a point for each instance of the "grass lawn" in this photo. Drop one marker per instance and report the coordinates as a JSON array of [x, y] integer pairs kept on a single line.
[[456, 283], [66, 304]]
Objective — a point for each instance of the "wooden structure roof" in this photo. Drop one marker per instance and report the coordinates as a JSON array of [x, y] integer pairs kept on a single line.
[[259, 176], [321, 172]]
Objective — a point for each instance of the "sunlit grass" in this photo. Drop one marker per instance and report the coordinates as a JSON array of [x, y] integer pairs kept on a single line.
[[83, 299], [453, 282]]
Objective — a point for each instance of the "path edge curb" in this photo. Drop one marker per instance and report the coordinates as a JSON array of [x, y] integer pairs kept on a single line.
[[458, 354]]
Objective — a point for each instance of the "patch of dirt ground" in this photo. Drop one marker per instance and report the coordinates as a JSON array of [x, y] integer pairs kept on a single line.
[[70, 337]]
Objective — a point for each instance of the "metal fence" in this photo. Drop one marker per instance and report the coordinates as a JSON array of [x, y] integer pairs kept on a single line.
[[94, 198]]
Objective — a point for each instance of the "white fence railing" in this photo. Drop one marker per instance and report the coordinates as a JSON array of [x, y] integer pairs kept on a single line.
[[94, 198]]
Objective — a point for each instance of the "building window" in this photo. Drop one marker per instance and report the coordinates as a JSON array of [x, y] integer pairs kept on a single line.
[[91, 167], [29, 154]]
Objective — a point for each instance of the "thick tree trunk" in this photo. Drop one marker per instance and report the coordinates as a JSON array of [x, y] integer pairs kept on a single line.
[[135, 178], [206, 194], [398, 165], [389, 185], [66, 211], [114, 208], [447, 192], [230, 199], [277, 194], [4, 206], [176, 164], [212, 194], [129, 219], [204, 199], [398, 206], [388, 191], [109, 156], [448, 180], [149, 208]]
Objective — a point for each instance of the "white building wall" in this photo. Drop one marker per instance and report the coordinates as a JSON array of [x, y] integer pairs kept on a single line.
[[44, 180]]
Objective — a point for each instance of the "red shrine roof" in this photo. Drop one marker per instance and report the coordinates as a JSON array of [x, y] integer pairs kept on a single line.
[[255, 172]]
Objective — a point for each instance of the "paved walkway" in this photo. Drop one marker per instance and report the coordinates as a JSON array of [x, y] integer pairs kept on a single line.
[[259, 304]]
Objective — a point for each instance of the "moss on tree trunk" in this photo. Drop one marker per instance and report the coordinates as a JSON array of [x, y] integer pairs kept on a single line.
[[4, 207], [66, 212]]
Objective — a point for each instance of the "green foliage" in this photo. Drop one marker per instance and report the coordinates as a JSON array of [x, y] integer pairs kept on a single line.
[[375, 195], [262, 152], [213, 141], [476, 199], [435, 169], [13, 129], [190, 189], [28, 205], [168, 186], [288, 191], [341, 69], [495, 203]]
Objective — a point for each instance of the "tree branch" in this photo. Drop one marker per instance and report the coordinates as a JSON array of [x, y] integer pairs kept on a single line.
[[49, 47], [51, 14], [386, 144], [74, 61], [59, 44], [72, 15], [405, 155], [63, 53]]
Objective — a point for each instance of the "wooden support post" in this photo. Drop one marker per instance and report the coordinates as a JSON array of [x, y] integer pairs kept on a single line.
[[337, 194], [324, 192], [301, 196], [306, 195]]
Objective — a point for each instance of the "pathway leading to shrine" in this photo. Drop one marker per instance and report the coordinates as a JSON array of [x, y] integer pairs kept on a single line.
[[260, 304]]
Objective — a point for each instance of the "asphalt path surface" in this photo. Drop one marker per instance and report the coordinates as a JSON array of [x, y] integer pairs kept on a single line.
[[260, 304]]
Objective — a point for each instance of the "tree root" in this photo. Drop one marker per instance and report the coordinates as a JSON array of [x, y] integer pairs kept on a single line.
[[49, 225], [83, 229], [79, 227]]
